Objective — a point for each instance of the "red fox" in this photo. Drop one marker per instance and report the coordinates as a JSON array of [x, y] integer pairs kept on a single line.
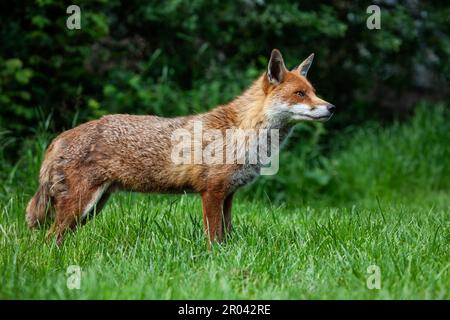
[[84, 165]]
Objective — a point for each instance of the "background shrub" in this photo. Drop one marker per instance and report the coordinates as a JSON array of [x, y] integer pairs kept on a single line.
[[177, 57]]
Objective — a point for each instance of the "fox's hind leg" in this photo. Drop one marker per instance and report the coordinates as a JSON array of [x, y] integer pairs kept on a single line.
[[227, 204], [75, 205]]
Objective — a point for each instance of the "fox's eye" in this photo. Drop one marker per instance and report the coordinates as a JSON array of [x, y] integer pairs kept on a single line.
[[301, 93]]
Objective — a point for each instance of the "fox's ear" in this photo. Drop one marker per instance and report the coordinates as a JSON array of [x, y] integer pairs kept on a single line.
[[276, 69], [304, 66]]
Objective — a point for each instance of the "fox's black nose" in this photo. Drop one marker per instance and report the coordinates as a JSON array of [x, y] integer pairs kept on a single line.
[[331, 108]]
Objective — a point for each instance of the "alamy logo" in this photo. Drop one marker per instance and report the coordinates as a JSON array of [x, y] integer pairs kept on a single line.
[[73, 274], [231, 146], [374, 20], [374, 278], [74, 20]]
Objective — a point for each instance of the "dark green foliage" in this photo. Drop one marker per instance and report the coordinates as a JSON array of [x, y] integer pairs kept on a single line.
[[176, 57]]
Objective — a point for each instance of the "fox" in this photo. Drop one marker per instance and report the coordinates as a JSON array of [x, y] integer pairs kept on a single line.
[[84, 165]]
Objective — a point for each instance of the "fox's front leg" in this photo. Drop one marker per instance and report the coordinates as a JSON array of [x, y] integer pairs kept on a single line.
[[213, 215]]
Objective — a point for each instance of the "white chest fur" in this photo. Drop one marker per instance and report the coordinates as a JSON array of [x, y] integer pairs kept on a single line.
[[244, 175], [247, 172]]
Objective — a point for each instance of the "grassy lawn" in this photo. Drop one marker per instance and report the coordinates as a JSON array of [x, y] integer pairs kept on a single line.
[[153, 247]]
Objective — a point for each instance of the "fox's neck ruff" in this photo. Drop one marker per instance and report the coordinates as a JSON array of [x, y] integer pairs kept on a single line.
[[251, 109]]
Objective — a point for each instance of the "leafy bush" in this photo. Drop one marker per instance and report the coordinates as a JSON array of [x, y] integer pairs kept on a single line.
[[175, 57]]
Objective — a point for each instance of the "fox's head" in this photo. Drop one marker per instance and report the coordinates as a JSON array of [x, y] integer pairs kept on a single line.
[[290, 97]]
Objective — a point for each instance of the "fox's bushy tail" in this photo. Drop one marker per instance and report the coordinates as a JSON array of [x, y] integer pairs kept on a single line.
[[38, 206]]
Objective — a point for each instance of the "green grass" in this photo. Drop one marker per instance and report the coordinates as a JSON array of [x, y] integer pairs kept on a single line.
[[384, 202]]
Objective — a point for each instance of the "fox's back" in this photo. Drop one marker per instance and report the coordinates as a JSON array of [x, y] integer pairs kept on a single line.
[[136, 140], [130, 151]]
